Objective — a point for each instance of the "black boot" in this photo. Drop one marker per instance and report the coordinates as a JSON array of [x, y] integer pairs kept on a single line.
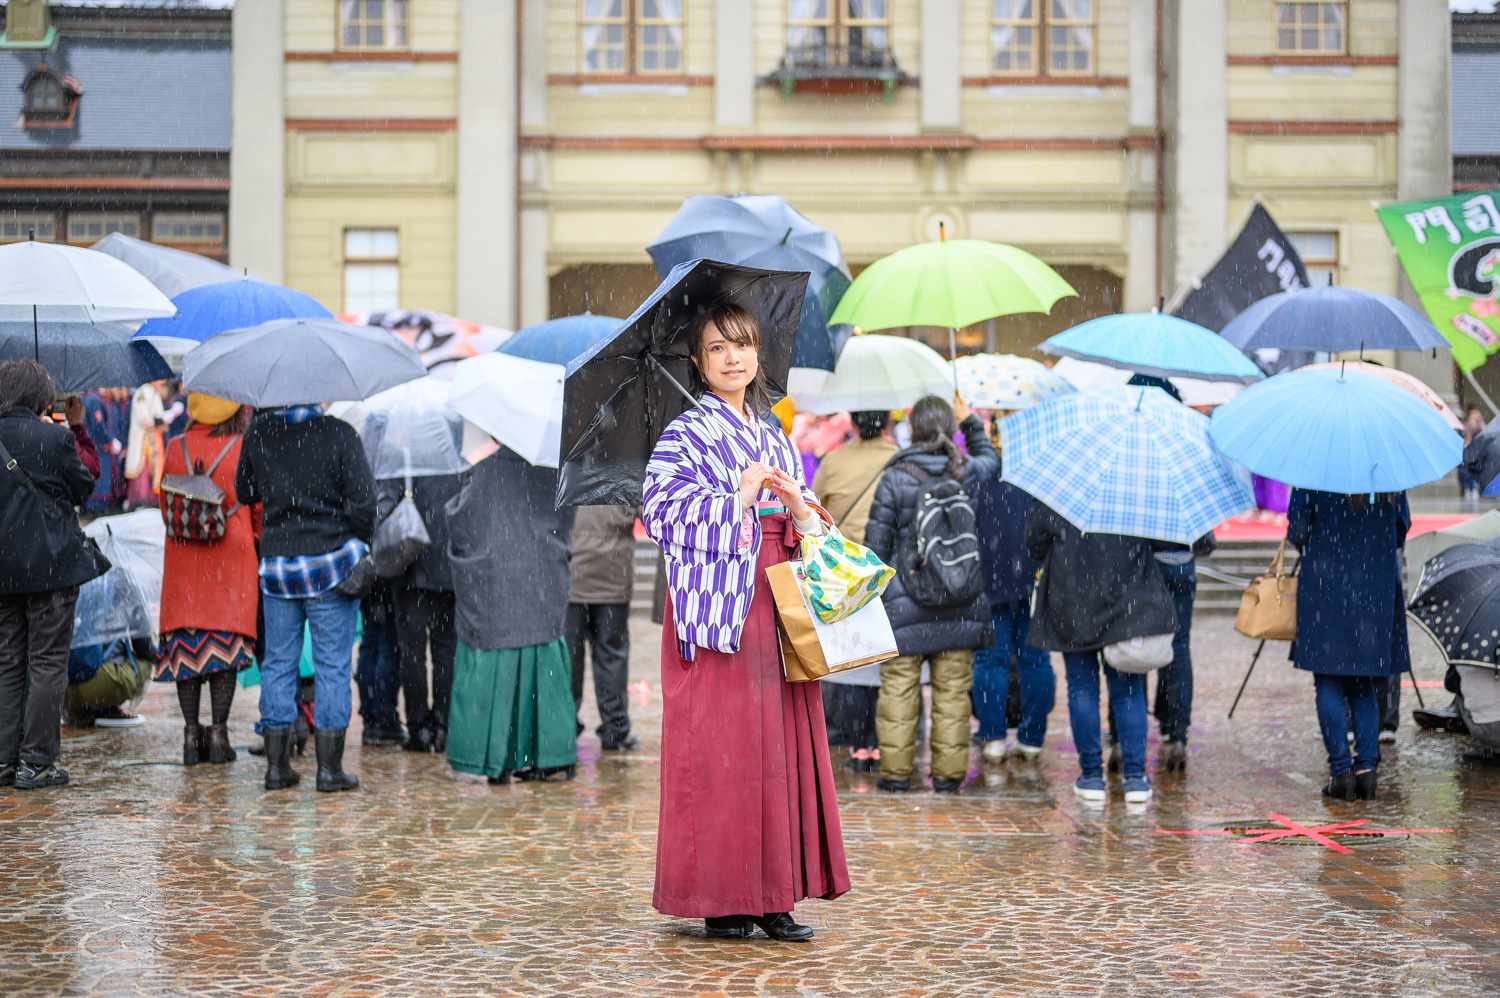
[[279, 771], [728, 927], [192, 744], [780, 926], [1364, 785], [1438, 719], [1340, 786], [331, 775], [299, 733]]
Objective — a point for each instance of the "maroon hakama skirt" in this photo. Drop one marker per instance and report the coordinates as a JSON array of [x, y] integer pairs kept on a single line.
[[749, 818]]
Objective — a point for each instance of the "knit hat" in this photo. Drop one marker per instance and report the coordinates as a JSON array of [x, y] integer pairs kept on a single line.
[[210, 410]]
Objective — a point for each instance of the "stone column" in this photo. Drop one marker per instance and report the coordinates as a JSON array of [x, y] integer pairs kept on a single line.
[[487, 163], [257, 156], [1141, 236], [939, 70], [734, 64], [1198, 175]]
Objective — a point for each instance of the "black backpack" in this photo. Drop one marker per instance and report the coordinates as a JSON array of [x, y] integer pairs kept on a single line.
[[939, 558]]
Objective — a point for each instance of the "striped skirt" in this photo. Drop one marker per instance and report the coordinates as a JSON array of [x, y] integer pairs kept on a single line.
[[192, 654]]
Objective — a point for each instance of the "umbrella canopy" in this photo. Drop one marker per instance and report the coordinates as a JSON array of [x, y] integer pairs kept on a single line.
[[1457, 601], [621, 395], [1401, 379], [410, 431], [235, 304], [517, 401], [952, 283], [172, 270], [1118, 460], [300, 361], [880, 372], [1482, 456], [82, 356], [1424, 547], [1083, 374], [440, 339], [56, 283], [1336, 431], [558, 341], [1005, 381], [124, 602], [1331, 318], [1155, 344], [763, 231]]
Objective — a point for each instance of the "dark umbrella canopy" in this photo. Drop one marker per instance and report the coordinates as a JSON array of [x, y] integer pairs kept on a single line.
[[82, 356], [1482, 455], [763, 231], [1457, 601], [620, 396], [1331, 318]]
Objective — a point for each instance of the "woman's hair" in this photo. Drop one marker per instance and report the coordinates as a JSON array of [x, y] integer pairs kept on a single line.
[[870, 423], [234, 426], [1361, 502], [932, 430], [26, 383], [736, 325]]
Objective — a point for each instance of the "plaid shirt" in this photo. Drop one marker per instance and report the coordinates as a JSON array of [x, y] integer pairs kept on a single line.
[[310, 575]]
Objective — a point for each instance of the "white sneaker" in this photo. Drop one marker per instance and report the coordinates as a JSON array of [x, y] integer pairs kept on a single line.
[[1020, 750], [1090, 788], [1137, 791], [1386, 737], [993, 751]]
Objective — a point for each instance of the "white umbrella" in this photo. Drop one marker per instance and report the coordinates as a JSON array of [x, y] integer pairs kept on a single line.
[[1194, 391], [517, 401], [48, 282], [881, 372]]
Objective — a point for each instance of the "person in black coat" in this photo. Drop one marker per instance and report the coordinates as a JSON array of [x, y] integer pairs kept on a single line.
[[1095, 590], [1351, 620], [423, 598], [946, 638], [43, 561]]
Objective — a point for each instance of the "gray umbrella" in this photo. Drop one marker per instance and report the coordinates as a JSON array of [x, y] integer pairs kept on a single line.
[[300, 361]]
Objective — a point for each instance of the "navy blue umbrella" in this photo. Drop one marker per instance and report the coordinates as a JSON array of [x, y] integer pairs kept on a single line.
[[558, 341], [763, 231], [619, 396], [82, 356], [1331, 318]]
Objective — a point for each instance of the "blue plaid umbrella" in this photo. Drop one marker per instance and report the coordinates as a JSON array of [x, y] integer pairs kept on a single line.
[[1121, 460]]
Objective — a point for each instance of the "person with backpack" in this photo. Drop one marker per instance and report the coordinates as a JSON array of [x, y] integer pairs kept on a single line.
[[922, 523], [209, 583]]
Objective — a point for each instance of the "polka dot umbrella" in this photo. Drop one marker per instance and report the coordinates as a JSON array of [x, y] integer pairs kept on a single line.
[[1457, 601], [1005, 381]]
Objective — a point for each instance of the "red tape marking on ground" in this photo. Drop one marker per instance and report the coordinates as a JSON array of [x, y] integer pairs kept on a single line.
[[1318, 833]]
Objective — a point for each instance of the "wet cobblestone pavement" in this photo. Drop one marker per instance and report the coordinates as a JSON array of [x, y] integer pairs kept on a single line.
[[144, 878]]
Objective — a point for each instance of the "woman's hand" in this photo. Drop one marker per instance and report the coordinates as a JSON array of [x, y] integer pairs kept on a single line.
[[73, 410], [754, 478], [961, 410], [790, 494]]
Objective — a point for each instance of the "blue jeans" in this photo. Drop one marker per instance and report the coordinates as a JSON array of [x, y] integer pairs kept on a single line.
[[1346, 702], [992, 679], [1127, 697], [378, 674], [1174, 684], [331, 620]]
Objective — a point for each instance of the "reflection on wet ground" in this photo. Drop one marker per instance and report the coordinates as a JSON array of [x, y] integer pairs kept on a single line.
[[147, 878]]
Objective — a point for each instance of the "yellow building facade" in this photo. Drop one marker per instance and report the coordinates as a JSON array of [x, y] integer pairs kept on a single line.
[[526, 151]]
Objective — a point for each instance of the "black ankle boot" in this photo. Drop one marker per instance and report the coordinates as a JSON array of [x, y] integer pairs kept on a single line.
[[279, 771], [298, 733], [1340, 786], [1364, 785], [780, 926], [728, 927], [331, 775], [192, 744]]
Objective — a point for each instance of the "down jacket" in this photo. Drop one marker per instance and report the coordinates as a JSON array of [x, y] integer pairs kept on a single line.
[[923, 630]]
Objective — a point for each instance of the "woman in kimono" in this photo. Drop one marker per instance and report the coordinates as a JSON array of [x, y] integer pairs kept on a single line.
[[749, 816]]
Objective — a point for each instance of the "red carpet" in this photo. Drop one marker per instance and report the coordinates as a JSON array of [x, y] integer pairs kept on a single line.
[[1247, 528]]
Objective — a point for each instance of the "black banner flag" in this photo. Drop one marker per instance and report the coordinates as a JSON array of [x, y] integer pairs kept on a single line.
[[1261, 262]]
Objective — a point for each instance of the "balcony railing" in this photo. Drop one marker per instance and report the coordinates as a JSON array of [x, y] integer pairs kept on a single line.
[[838, 69]]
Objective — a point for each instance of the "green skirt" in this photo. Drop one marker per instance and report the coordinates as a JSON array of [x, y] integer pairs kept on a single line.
[[512, 710]]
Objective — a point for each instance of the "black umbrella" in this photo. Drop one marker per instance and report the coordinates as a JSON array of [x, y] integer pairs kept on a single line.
[[1457, 601], [1482, 455], [621, 394], [82, 356]]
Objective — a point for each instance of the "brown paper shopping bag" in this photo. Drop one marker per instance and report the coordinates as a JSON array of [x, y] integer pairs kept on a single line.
[[802, 639]]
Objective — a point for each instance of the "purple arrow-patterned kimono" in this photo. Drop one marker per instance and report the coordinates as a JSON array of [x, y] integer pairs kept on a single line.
[[692, 511]]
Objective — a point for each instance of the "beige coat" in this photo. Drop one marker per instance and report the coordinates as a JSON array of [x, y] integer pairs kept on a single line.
[[846, 481]]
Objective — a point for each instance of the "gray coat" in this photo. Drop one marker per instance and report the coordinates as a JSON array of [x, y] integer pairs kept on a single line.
[[604, 554], [509, 550]]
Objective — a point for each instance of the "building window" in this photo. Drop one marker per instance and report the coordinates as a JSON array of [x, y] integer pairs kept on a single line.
[[91, 226], [1320, 255], [1312, 28], [17, 226], [48, 100], [373, 25], [372, 270], [201, 227], [838, 33], [1029, 37], [631, 36]]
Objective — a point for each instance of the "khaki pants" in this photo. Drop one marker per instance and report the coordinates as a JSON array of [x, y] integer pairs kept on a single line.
[[116, 682], [901, 699]]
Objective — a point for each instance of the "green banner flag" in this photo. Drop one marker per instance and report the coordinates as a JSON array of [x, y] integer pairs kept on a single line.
[[1450, 250]]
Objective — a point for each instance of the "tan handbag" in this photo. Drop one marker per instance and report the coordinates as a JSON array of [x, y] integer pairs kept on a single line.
[[1268, 610], [861, 639]]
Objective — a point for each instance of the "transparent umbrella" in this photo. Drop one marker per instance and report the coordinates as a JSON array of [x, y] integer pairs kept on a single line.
[[410, 430]]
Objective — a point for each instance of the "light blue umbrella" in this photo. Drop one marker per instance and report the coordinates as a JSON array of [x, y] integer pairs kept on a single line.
[[1337, 431], [558, 341], [1124, 460], [1155, 344]]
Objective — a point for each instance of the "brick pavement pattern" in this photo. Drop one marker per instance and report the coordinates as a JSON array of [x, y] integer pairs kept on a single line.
[[144, 878]]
